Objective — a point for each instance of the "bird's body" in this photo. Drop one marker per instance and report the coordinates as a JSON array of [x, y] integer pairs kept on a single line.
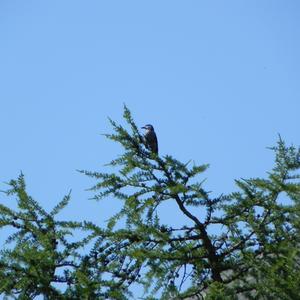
[[150, 138]]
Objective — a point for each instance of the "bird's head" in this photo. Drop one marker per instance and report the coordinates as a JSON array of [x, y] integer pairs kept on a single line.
[[148, 127]]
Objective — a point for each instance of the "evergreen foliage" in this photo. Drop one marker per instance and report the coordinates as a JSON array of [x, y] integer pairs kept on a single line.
[[40, 256], [253, 254]]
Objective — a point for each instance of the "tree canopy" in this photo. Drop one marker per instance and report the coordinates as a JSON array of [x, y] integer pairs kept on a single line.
[[243, 244]]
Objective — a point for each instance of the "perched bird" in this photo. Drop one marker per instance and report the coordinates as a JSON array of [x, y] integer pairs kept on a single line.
[[150, 138]]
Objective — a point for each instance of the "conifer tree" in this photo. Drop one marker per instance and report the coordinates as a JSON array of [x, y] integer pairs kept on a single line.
[[258, 237], [43, 256], [242, 244]]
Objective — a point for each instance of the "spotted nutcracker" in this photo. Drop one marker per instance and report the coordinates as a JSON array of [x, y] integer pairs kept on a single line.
[[150, 138]]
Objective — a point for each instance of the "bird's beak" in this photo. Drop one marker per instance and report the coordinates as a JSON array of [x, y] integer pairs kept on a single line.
[[143, 127]]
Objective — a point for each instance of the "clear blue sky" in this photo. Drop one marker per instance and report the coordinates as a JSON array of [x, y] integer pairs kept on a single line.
[[217, 79]]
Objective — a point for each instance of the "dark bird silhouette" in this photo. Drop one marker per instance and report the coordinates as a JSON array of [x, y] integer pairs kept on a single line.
[[150, 138]]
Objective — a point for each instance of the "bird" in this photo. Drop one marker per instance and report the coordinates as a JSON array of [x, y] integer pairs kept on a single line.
[[150, 138]]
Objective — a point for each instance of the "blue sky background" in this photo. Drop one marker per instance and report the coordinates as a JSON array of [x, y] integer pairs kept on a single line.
[[217, 79]]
